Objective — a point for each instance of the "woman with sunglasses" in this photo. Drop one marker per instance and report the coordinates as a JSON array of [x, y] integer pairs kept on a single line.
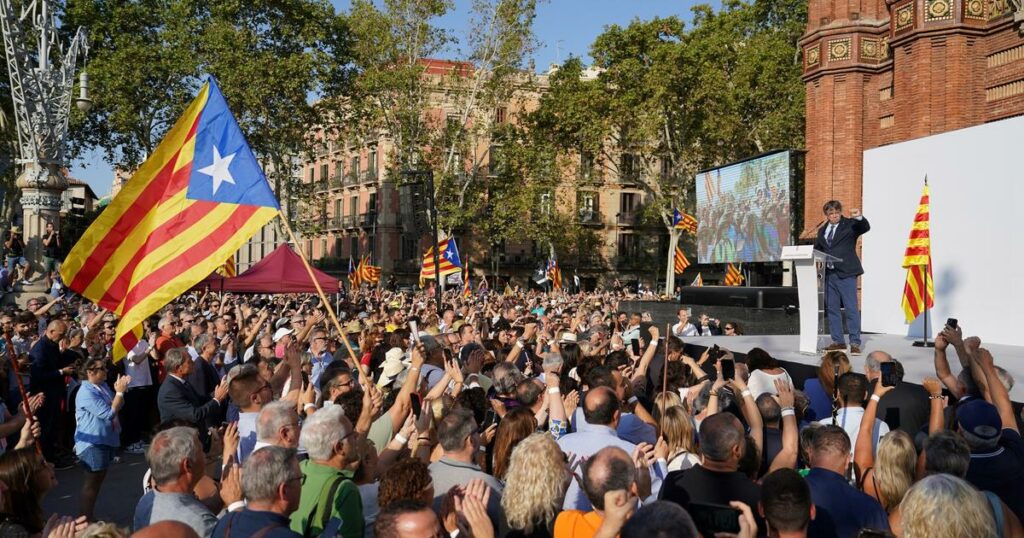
[[98, 434]]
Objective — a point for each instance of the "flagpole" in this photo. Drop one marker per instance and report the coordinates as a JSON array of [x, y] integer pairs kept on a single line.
[[323, 299], [925, 342]]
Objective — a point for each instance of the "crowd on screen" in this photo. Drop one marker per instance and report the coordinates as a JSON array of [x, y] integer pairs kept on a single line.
[[515, 414]]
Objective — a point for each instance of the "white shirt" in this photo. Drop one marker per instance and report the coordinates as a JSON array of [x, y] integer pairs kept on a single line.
[[140, 374], [680, 330], [761, 382], [849, 418]]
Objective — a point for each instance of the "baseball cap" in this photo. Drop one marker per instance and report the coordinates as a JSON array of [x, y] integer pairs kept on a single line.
[[281, 333], [980, 419]]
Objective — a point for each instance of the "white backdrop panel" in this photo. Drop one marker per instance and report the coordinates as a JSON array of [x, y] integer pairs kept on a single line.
[[975, 176]]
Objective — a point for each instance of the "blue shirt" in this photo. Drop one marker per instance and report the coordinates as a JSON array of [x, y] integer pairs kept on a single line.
[[630, 427], [585, 443], [319, 365], [248, 522], [821, 403], [95, 418], [842, 510]]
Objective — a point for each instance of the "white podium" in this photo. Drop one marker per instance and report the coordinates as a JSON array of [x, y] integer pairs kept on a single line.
[[805, 259]]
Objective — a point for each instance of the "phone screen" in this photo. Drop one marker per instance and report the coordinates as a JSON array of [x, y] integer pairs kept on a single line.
[[728, 369], [416, 407], [635, 344], [888, 374]]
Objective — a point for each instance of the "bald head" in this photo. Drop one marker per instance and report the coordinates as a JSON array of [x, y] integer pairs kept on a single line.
[[874, 359], [609, 469], [55, 330], [601, 407], [166, 529]]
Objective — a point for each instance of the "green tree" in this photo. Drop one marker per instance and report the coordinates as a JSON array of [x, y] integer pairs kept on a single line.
[[148, 59]]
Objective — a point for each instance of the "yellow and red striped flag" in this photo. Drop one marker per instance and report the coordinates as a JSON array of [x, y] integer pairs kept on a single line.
[[190, 206], [699, 281], [368, 273], [681, 262], [448, 259], [917, 259], [554, 273], [353, 274], [228, 269], [467, 289], [733, 276], [684, 221]]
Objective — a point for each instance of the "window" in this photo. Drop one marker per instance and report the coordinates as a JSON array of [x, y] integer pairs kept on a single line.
[[312, 174], [373, 248], [500, 115], [629, 167], [323, 173], [337, 247], [494, 160], [627, 203], [666, 167], [353, 247], [587, 204], [323, 248], [353, 205], [627, 246], [339, 208], [354, 165], [586, 165], [371, 161], [409, 249], [371, 206], [545, 203]]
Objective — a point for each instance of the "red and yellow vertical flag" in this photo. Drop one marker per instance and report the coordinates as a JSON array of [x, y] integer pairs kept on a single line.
[[467, 289], [228, 270], [919, 290], [367, 272], [190, 206], [681, 262], [733, 276]]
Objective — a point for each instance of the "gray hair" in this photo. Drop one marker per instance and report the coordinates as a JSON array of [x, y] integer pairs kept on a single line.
[[169, 448], [322, 432], [1004, 377], [175, 358], [164, 321], [507, 377], [200, 341], [272, 418], [455, 428], [875, 359], [265, 470]]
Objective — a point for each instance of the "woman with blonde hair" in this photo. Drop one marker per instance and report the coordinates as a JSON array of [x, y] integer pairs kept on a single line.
[[678, 434], [535, 487], [662, 401], [944, 506], [888, 475], [819, 389]]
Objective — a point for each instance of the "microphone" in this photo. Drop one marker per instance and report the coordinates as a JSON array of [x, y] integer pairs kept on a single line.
[[820, 224]]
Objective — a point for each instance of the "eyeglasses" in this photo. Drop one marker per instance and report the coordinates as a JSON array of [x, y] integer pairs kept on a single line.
[[301, 478], [97, 369], [730, 328]]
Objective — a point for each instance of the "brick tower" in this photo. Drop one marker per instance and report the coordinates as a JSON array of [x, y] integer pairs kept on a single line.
[[884, 71]]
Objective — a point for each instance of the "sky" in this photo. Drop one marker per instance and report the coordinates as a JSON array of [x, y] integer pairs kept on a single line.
[[563, 27]]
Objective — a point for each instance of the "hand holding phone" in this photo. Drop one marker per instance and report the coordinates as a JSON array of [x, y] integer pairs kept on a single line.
[[888, 378], [728, 369]]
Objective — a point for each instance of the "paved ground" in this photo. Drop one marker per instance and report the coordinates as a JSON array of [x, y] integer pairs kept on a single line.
[[120, 492]]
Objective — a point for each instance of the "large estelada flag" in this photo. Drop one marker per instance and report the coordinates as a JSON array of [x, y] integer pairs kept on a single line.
[[683, 221], [917, 260], [733, 275], [554, 274], [448, 260], [190, 206], [681, 262]]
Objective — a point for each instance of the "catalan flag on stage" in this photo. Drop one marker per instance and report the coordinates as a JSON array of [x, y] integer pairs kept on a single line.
[[733, 276], [190, 206], [681, 262], [682, 221], [228, 269], [919, 290], [699, 281], [368, 273], [448, 259], [554, 274]]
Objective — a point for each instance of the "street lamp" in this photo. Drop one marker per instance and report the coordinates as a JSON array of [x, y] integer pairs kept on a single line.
[[42, 76]]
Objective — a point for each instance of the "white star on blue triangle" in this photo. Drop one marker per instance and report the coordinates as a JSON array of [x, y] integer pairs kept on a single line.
[[224, 168]]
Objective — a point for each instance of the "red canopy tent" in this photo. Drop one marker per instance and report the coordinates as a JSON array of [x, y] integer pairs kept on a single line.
[[281, 271]]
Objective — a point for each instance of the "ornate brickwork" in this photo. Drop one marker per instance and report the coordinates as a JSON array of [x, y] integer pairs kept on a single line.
[[839, 49], [938, 10], [905, 17]]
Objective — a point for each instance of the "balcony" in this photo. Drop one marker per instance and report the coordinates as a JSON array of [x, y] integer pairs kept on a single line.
[[337, 180], [589, 217], [367, 220], [335, 224], [627, 219], [348, 222], [352, 178], [368, 176], [629, 177]]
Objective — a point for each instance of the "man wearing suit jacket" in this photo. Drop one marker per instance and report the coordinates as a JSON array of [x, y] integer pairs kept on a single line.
[[838, 237], [177, 399]]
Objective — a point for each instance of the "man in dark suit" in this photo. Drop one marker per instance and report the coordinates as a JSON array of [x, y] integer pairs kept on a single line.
[[177, 398], [48, 371], [905, 407], [838, 237]]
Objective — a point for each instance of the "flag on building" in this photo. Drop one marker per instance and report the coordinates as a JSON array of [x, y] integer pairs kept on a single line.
[[228, 269], [681, 262], [733, 276], [554, 274], [449, 261], [467, 290], [368, 273], [919, 290], [682, 221], [697, 281], [199, 196], [353, 274]]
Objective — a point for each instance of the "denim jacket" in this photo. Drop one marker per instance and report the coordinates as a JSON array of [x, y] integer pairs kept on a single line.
[[96, 420]]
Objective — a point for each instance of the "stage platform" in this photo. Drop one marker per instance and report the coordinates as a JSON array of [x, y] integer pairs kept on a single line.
[[918, 362]]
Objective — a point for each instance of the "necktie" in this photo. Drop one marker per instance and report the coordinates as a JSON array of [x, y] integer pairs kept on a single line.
[[831, 233]]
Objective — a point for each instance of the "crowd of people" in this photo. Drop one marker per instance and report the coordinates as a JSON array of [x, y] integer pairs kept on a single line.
[[515, 414]]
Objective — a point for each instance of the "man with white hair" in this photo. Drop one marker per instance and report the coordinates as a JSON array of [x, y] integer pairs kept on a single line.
[[177, 462], [271, 485], [277, 425], [330, 503]]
